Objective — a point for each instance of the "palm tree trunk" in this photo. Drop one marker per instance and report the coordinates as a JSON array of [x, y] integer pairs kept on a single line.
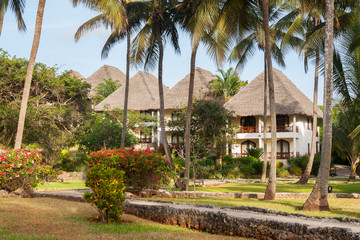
[[317, 200], [29, 73], [123, 132], [263, 174], [161, 97], [188, 115], [271, 187], [306, 175], [2, 13]]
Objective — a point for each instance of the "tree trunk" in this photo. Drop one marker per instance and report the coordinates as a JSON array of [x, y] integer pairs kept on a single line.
[[263, 174], [306, 175], [29, 73], [161, 98], [317, 200], [271, 187], [2, 13], [127, 82], [188, 116]]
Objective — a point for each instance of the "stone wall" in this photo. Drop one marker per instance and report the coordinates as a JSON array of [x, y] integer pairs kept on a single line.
[[218, 222]]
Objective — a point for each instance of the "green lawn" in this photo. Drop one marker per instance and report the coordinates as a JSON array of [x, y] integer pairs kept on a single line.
[[340, 207], [45, 218], [74, 184], [280, 187]]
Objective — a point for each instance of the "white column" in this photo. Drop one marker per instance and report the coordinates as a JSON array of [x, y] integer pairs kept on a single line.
[[158, 127], [259, 131], [294, 134]]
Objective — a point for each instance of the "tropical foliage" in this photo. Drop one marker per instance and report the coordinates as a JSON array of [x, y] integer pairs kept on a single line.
[[103, 90]]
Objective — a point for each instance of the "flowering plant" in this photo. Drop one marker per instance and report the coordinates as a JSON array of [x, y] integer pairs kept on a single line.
[[143, 169], [21, 168]]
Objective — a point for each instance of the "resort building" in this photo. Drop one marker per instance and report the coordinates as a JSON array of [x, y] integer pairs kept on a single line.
[[177, 98], [294, 118], [105, 72], [143, 92]]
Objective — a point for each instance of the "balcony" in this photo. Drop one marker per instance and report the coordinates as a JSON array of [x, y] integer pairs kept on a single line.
[[247, 130], [145, 140], [282, 129]]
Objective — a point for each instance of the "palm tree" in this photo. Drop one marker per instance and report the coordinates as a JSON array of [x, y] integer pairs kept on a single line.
[[122, 20], [29, 73], [147, 48], [17, 6], [271, 187], [198, 18], [318, 197], [105, 89], [227, 84]]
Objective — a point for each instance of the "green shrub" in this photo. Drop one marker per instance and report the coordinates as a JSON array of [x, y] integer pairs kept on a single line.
[[255, 152], [298, 164], [295, 170], [143, 169], [107, 186], [282, 172], [22, 168], [279, 164]]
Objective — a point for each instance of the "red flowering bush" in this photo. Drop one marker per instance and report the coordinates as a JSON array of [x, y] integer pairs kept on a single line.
[[143, 169], [21, 168]]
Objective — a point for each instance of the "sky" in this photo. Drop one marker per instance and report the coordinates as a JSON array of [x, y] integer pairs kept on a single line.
[[58, 48]]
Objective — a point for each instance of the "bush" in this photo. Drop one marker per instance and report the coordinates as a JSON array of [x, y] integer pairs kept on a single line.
[[143, 169], [21, 168], [69, 162], [107, 186], [298, 164], [282, 172]]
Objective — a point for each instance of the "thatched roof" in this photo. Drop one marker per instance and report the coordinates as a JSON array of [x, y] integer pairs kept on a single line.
[[76, 74], [143, 91], [178, 95], [289, 99], [105, 72]]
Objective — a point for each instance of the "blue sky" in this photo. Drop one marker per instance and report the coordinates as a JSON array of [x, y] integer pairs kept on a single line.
[[57, 47]]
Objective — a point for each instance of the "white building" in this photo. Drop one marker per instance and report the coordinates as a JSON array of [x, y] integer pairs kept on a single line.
[[294, 117]]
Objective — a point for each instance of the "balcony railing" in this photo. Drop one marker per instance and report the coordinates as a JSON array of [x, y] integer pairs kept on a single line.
[[282, 129], [247, 129], [279, 155], [145, 140]]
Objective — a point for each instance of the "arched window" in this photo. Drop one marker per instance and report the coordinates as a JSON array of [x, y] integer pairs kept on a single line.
[[245, 145], [283, 149]]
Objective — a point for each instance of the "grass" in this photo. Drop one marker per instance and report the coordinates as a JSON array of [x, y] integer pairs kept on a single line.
[[280, 187], [73, 184], [339, 207], [45, 218]]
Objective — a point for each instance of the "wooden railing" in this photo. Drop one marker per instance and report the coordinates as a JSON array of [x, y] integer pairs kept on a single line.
[[281, 129], [279, 155], [145, 140], [247, 129]]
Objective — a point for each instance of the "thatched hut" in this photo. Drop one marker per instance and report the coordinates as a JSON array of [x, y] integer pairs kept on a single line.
[[76, 74], [294, 116], [105, 72]]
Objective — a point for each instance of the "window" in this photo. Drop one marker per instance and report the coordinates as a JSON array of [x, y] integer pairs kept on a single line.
[[248, 124], [146, 112], [247, 144], [282, 120], [283, 149], [175, 116], [144, 138]]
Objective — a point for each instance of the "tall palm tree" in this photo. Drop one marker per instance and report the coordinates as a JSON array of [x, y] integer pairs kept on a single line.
[[29, 73], [148, 46], [122, 19], [271, 187], [227, 84], [318, 197], [17, 6], [198, 18]]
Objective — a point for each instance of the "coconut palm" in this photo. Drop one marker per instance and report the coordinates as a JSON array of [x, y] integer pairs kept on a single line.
[[122, 23], [105, 89], [227, 84], [17, 6], [148, 46], [29, 73], [318, 197]]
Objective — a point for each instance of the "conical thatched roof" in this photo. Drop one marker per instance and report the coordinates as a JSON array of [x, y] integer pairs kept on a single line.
[[105, 72], [289, 99], [143, 91], [76, 74], [178, 95]]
